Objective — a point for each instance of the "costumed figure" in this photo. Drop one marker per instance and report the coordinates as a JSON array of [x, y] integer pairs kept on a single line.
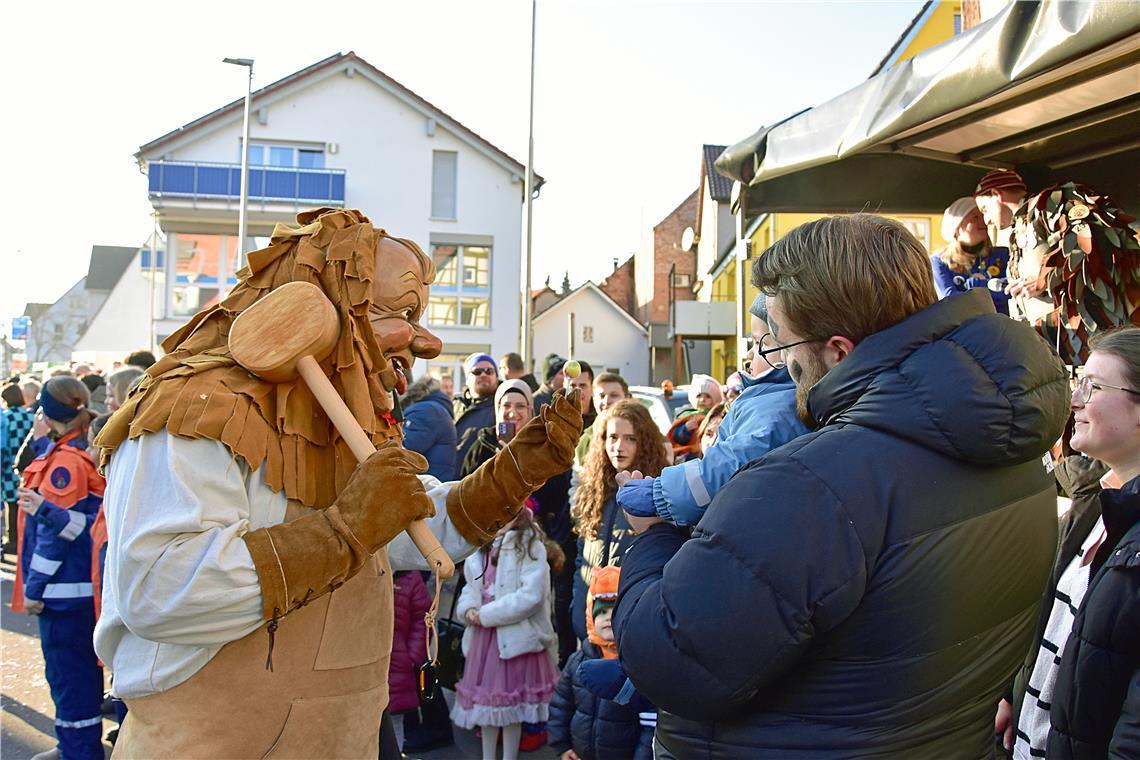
[[59, 498], [235, 507], [1074, 259]]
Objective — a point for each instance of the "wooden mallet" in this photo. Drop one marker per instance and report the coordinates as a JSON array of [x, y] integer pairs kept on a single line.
[[286, 334]]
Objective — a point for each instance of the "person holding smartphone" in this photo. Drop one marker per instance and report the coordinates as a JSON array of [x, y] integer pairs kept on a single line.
[[514, 406]]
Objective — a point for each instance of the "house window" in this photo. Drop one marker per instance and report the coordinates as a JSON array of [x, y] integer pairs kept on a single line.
[[461, 294], [57, 331], [957, 23], [285, 156], [444, 174], [920, 228], [203, 268], [587, 334], [682, 280]]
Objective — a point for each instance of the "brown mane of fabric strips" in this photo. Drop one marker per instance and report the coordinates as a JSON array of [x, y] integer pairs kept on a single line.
[[198, 391]]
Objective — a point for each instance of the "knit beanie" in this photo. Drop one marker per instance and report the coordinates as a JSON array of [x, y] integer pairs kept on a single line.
[[513, 386], [551, 365], [952, 217], [704, 383], [1000, 179], [473, 359]]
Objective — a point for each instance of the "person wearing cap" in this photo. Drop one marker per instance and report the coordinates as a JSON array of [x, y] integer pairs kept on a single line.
[[474, 408], [968, 260], [59, 499], [1074, 258], [761, 419], [552, 379]]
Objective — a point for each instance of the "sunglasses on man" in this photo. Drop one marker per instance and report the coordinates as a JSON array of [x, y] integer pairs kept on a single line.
[[482, 371]]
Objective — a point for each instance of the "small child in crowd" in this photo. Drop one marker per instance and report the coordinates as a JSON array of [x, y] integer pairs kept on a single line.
[[584, 726], [410, 603], [510, 674]]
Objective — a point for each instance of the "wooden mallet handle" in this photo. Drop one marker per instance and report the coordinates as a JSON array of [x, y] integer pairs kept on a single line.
[[362, 448]]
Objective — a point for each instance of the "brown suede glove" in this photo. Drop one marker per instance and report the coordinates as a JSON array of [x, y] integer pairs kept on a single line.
[[301, 560], [490, 497]]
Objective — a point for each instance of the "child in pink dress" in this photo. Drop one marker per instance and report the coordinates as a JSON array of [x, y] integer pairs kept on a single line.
[[510, 674]]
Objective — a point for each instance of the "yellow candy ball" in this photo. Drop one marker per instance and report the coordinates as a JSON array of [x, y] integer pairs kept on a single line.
[[572, 369]]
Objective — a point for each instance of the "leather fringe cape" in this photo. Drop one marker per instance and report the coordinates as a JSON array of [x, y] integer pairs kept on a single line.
[[197, 390]]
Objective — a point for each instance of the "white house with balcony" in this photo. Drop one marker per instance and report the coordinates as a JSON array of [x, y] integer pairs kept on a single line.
[[342, 133]]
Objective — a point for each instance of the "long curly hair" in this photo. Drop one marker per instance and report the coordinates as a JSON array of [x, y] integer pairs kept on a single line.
[[598, 484]]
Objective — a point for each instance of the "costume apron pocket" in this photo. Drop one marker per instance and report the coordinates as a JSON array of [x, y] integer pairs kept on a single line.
[[341, 726], [358, 623]]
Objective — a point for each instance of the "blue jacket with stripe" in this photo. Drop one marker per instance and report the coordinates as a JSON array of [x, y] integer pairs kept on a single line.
[[55, 556]]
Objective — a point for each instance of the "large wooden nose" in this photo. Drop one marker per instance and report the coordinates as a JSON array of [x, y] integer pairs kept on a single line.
[[293, 321]]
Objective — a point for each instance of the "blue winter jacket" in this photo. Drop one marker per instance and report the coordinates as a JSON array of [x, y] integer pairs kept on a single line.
[[762, 418], [596, 728], [429, 430], [56, 552], [867, 589]]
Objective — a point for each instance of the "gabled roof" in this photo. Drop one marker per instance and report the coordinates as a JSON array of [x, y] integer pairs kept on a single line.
[[680, 206], [720, 186], [108, 262], [907, 35], [36, 310], [339, 60], [589, 286]]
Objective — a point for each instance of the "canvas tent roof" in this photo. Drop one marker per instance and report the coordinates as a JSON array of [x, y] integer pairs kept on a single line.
[[1049, 88]]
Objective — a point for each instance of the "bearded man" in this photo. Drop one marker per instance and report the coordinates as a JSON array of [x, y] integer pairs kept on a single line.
[[867, 589], [236, 508]]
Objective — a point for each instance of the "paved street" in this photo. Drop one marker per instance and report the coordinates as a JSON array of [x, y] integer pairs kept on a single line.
[[26, 712]]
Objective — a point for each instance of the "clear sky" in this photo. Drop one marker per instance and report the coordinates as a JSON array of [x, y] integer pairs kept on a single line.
[[626, 93]]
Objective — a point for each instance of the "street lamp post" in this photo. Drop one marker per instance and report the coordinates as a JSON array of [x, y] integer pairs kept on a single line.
[[528, 333], [248, 63]]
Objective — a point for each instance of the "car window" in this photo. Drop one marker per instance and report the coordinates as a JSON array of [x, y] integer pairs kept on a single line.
[[658, 410]]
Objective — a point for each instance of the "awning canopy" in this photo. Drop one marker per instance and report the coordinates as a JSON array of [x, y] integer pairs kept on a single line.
[[1051, 89]]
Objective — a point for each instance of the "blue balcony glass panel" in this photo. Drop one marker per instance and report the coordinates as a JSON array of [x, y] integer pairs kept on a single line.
[[214, 180], [144, 260], [190, 179], [314, 187], [280, 183]]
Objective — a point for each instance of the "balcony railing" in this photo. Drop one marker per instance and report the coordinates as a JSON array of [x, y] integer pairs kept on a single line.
[[280, 184]]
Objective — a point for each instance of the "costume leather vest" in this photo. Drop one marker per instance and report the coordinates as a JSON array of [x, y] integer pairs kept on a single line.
[[323, 698]]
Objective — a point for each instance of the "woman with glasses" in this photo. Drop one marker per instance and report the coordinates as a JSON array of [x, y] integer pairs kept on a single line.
[[1078, 694]]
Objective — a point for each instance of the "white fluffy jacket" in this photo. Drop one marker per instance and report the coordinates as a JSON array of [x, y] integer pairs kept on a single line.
[[520, 610]]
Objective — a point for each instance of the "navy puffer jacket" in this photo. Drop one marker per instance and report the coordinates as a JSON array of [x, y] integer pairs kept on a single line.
[[595, 728], [868, 589], [429, 430]]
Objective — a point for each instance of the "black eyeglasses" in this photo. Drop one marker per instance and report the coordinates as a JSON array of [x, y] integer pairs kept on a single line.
[[768, 346], [1085, 388], [482, 370]]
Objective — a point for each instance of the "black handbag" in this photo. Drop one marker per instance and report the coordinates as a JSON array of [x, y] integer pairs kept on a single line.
[[449, 667]]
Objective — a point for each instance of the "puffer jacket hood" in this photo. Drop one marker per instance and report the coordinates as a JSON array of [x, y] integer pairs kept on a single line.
[[943, 374]]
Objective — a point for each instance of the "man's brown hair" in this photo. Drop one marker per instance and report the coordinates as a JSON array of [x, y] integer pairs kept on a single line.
[[612, 377], [846, 275]]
